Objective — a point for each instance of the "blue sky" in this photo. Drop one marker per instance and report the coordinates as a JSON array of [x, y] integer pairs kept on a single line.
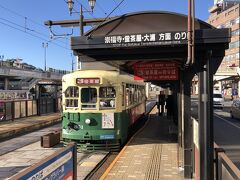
[[22, 29]]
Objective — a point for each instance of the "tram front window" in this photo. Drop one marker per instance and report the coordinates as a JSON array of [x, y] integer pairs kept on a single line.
[[107, 97], [89, 98], [71, 95]]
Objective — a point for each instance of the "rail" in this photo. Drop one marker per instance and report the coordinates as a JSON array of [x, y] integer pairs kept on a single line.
[[15, 109], [224, 167]]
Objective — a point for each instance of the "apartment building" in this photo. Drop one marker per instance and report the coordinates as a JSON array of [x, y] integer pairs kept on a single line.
[[226, 14]]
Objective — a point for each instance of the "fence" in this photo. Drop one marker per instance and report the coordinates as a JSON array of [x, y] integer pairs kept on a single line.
[[10, 110], [224, 167]]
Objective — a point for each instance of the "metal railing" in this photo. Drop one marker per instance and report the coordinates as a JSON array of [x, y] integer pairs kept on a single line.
[[224, 167]]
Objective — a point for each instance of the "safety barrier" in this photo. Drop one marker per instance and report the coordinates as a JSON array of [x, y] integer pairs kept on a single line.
[[15, 109], [224, 167], [60, 165]]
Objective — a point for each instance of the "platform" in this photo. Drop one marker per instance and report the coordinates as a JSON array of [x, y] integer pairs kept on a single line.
[[9, 129], [151, 154]]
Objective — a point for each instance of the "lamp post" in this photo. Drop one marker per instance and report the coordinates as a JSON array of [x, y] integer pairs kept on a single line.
[[70, 7], [45, 45]]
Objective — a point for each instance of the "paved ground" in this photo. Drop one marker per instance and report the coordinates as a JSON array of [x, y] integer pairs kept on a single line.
[[152, 154], [9, 129]]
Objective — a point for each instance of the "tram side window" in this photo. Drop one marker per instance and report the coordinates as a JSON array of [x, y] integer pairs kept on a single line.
[[123, 95], [107, 97], [130, 95], [88, 97], [71, 96], [135, 98], [127, 96], [143, 93]]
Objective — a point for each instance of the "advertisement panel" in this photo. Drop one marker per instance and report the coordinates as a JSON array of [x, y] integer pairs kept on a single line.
[[60, 165], [156, 71]]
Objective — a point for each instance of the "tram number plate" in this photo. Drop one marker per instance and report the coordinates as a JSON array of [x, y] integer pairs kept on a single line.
[[107, 120], [110, 136]]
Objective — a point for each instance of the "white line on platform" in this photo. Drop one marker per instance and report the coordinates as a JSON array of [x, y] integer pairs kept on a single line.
[[228, 122]]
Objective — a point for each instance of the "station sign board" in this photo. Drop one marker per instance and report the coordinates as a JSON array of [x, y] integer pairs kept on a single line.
[[146, 39], [61, 165], [156, 71]]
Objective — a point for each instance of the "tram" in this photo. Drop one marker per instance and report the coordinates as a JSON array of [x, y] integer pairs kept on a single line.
[[100, 107]]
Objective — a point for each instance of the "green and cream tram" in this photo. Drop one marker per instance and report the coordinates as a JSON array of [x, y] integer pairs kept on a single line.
[[100, 107]]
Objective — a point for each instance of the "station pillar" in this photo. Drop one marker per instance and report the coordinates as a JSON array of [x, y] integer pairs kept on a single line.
[[205, 115], [187, 125]]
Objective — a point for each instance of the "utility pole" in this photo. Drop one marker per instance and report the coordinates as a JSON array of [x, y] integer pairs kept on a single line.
[[45, 45]]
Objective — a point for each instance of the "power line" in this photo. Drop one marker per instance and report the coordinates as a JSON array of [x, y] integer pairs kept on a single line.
[[38, 37], [25, 20], [13, 12], [118, 7], [107, 16], [101, 8]]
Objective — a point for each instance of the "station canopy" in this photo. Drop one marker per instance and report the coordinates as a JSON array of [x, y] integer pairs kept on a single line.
[[148, 37]]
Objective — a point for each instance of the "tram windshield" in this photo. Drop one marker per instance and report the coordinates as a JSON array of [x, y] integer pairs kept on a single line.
[[88, 98], [72, 94], [107, 97]]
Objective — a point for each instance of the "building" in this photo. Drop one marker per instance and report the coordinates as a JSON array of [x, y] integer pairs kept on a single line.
[[226, 14]]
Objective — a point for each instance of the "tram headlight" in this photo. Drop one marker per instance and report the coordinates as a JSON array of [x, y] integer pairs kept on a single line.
[[87, 121]]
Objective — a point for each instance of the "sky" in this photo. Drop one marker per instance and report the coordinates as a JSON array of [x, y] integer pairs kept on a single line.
[[22, 29]]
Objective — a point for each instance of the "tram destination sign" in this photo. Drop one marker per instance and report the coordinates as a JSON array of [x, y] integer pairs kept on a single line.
[[146, 39], [156, 71]]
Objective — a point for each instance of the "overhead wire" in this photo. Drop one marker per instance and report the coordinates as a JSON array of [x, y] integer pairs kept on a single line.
[[107, 17], [33, 35], [13, 12], [28, 19], [100, 7], [119, 9]]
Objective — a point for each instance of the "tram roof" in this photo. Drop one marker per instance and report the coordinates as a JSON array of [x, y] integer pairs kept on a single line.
[[101, 43], [107, 75]]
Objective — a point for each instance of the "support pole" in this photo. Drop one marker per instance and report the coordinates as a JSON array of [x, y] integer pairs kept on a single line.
[[187, 125], [205, 114], [81, 21]]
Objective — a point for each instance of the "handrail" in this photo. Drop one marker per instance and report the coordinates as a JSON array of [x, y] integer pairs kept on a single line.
[[222, 161]]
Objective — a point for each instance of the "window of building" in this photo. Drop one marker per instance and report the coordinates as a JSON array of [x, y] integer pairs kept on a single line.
[[237, 20], [236, 32], [227, 24], [235, 44], [237, 55]]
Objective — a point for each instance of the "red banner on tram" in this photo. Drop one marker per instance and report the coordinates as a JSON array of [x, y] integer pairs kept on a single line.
[[156, 71]]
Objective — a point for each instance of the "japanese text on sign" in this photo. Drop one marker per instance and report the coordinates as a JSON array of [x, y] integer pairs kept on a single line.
[[80, 81], [148, 37], [156, 71]]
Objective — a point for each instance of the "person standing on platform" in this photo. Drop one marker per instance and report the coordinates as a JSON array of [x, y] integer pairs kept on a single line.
[[161, 102]]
